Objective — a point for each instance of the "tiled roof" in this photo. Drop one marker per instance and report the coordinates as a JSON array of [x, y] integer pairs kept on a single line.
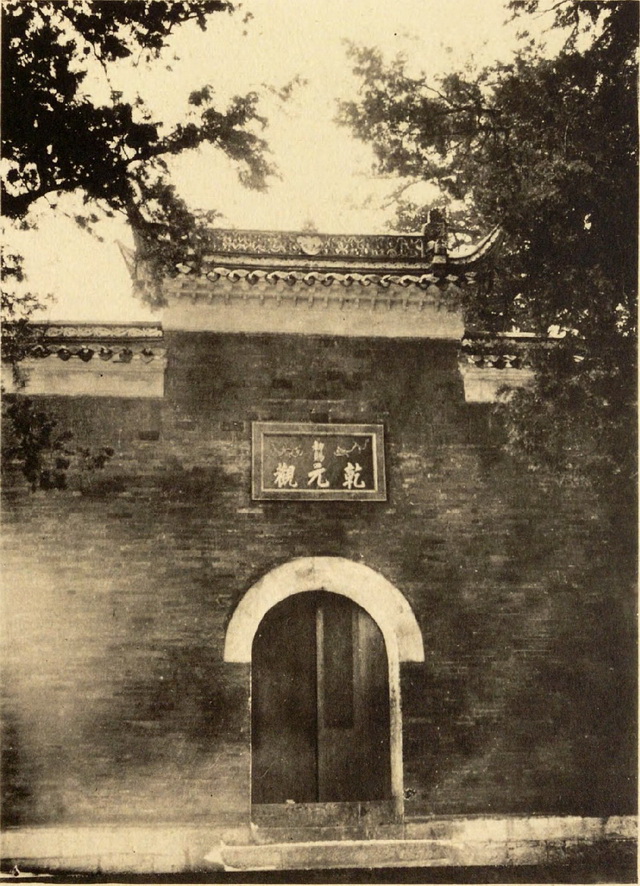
[[346, 259], [69, 330], [506, 350], [109, 342], [327, 278], [293, 257]]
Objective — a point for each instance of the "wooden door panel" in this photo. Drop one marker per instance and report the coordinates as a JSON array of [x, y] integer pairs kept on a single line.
[[353, 689], [337, 701], [373, 738], [283, 705], [320, 704], [336, 666]]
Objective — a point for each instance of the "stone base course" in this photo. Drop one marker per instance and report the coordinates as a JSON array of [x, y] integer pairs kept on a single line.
[[440, 842]]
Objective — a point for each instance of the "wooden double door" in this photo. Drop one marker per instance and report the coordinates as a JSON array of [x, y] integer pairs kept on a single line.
[[320, 703]]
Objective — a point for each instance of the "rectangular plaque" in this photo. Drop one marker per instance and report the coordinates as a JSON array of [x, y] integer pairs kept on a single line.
[[322, 462]]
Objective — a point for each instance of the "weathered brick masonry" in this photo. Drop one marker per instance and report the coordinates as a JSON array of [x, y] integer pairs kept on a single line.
[[118, 705]]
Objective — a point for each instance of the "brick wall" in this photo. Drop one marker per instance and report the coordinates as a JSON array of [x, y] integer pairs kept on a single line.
[[118, 706]]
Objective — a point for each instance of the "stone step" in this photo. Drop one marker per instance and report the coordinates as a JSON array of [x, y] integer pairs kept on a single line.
[[325, 834], [362, 814], [323, 855]]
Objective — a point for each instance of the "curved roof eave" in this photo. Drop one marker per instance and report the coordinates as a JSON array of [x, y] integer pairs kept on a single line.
[[488, 245]]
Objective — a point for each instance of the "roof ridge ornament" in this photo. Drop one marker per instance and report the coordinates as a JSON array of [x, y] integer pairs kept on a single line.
[[310, 244], [435, 236]]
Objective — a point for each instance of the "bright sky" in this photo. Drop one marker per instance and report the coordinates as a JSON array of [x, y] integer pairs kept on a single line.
[[324, 173]]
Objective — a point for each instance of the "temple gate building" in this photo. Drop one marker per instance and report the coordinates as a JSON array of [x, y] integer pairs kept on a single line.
[[309, 614]]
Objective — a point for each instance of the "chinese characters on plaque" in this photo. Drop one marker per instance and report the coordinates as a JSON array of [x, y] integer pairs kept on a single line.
[[318, 461]]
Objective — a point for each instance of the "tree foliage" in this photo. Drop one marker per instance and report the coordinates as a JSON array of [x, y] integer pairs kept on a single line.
[[546, 148], [44, 453], [16, 308], [57, 138]]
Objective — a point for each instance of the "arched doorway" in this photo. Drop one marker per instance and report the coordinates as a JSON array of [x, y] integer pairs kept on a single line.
[[320, 724], [371, 592]]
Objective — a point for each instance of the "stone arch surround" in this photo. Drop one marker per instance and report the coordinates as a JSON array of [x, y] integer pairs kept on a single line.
[[364, 586]]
